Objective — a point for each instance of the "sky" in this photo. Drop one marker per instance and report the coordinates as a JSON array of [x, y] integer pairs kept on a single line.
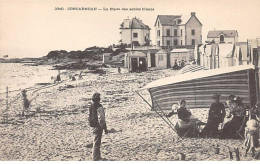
[[32, 28]]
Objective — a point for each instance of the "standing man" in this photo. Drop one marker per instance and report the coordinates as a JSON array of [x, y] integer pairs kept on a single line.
[[216, 116], [98, 124], [26, 103]]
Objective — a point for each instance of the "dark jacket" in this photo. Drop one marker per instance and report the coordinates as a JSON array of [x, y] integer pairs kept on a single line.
[[217, 112], [183, 114], [93, 115]]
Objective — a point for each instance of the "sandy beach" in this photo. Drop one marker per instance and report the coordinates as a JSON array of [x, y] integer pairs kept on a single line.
[[58, 129]]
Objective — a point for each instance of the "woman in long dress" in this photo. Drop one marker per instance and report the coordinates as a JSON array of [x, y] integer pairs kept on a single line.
[[239, 112], [228, 112], [186, 122]]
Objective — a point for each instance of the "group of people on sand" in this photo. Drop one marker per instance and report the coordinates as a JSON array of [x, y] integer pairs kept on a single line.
[[221, 123], [179, 65], [71, 77]]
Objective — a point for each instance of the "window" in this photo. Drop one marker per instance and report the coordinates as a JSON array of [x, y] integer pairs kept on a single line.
[[168, 32], [135, 35], [193, 32], [158, 43], [193, 42], [168, 42], [158, 24], [221, 38], [181, 42], [175, 42], [158, 32], [160, 57], [175, 32], [181, 32]]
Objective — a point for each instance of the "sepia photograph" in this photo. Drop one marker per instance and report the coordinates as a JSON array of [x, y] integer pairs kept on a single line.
[[121, 80]]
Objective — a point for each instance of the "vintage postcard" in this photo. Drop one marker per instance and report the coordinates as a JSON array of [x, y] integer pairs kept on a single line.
[[121, 80]]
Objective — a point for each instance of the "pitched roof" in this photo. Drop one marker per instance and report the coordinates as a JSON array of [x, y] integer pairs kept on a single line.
[[136, 54], [161, 51], [226, 50], [136, 24], [169, 20], [226, 33]]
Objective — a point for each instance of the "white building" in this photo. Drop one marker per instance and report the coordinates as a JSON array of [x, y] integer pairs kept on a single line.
[[178, 30], [223, 36], [135, 31], [181, 54], [106, 57]]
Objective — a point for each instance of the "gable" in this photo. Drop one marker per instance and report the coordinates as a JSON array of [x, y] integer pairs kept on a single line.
[[161, 52], [167, 19], [194, 22], [156, 22]]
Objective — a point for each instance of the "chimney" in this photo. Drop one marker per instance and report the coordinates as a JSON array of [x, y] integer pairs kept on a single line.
[[192, 13], [126, 23]]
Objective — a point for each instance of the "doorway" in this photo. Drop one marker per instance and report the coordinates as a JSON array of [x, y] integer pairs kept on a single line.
[[142, 64], [134, 65], [152, 60]]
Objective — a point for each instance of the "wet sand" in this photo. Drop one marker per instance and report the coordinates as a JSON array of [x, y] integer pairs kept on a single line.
[[58, 128]]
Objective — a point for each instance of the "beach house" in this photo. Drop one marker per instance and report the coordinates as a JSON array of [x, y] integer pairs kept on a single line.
[[222, 36], [106, 57], [219, 55], [134, 32], [136, 61], [181, 54], [178, 30], [254, 51], [161, 59]]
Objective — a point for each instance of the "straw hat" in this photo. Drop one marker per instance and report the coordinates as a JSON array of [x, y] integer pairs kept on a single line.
[[252, 124], [231, 97], [237, 99]]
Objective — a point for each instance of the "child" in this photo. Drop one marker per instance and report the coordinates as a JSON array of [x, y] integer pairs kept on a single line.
[[251, 136]]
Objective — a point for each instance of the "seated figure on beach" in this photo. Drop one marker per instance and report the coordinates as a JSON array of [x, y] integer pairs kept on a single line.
[[238, 112], [186, 121], [216, 116], [255, 112], [228, 111]]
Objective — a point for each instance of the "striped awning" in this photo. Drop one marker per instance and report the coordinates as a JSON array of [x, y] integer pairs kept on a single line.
[[198, 87], [191, 68]]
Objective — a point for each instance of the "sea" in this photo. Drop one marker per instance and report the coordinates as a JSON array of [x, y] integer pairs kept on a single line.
[[19, 76]]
